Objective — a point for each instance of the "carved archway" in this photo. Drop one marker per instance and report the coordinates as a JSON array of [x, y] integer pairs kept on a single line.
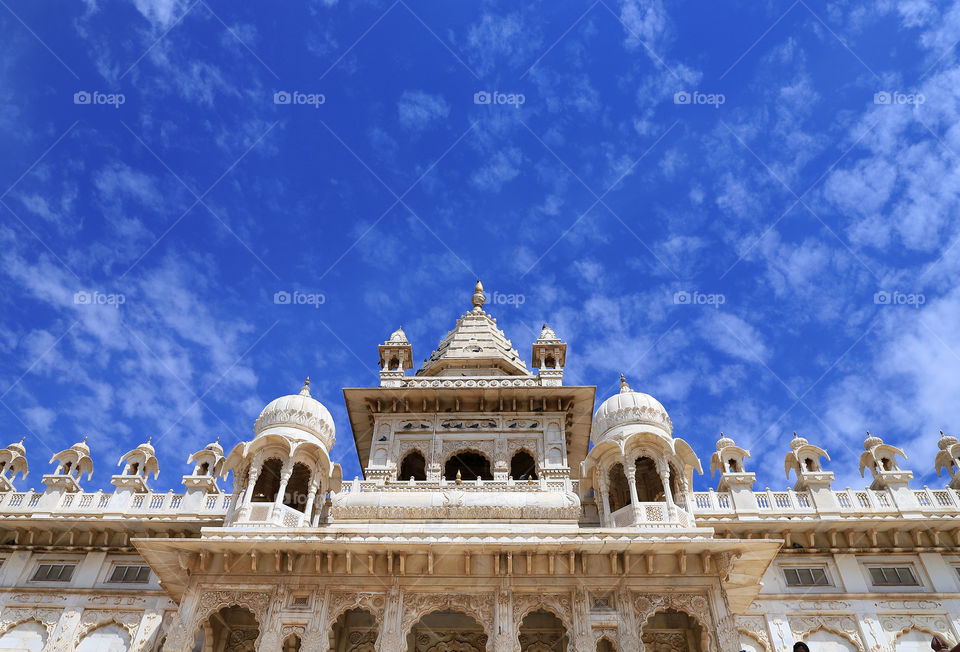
[[557, 604], [472, 464], [19, 615], [693, 605], [413, 465], [448, 630], [542, 630], [477, 606], [855, 642]]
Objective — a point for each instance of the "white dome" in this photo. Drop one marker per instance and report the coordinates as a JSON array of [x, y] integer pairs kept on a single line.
[[628, 408], [300, 411]]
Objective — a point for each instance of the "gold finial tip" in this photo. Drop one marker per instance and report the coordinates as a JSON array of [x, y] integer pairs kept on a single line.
[[478, 299], [149, 439], [941, 434]]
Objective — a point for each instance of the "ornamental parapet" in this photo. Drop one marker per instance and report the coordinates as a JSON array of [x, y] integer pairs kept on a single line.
[[30, 504]]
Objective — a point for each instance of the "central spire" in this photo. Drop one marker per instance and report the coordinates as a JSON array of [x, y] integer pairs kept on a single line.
[[478, 298]]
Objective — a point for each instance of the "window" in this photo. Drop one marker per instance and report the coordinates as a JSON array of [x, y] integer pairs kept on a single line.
[[130, 574], [806, 577], [892, 576], [54, 572]]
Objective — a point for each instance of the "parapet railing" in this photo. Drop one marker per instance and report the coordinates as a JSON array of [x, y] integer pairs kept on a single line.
[[510, 485], [849, 502], [87, 503]]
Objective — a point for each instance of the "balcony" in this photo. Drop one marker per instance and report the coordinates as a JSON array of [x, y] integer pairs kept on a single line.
[[269, 515], [651, 515]]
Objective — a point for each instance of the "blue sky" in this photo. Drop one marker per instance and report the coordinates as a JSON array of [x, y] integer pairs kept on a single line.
[[750, 208]]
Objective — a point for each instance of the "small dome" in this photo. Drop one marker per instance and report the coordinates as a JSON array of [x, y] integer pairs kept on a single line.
[[398, 337], [547, 333], [797, 442], [946, 441], [724, 442], [871, 441], [18, 447], [214, 447], [300, 411], [147, 448], [81, 447], [629, 408]]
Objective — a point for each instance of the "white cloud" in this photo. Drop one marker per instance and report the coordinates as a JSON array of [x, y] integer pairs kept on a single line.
[[417, 109]]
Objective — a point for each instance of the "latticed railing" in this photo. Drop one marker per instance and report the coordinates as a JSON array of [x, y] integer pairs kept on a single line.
[[79, 503]]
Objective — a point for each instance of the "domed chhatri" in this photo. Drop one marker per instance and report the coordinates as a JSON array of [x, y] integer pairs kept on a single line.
[[628, 408], [301, 412]]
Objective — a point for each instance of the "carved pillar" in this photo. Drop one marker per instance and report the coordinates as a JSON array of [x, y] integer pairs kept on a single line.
[[581, 636], [629, 626], [667, 492], [631, 472], [285, 474], [605, 517], [505, 636], [61, 640], [311, 497], [251, 482], [392, 638]]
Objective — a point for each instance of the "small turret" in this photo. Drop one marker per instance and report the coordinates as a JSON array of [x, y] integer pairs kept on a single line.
[[804, 460], [729, 461], [13, 461], [138, 464], [881, 459], [207, 466], [71, 464], [396, 356], [550, 356], [949, 459]]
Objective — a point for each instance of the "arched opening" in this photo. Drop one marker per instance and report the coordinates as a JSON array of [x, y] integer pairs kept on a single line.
[[232, 628], [542, 631], [394, 364], [30, 636], [268, 482], [824, 640], [606, 645], [550, 362], [66, 468], [750, 644], [649, 485], [134, 468], [291, 643], [913, 640], [810, 464], [734, 467], [619, 489], [355, 630], [413, 465], [297, 487], [885, 463], [523, 466], [109, 638], [675, 630], [205, 468], [470, 465], [447, 630]]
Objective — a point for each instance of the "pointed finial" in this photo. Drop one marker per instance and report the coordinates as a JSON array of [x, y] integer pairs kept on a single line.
[[478, 299], [305, 391], [84, 439], [459, 479], [149, 439], [24, 437], [624, 387], [218, 438], [941, 434]]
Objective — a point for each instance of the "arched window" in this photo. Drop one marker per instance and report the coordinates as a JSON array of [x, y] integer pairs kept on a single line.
[[204, 468], [733, 466], [268, 482], [134, 468], [470, 466], [649, 485], [523, 466], [413, 466], [604, 645], [291, 643], [297, 487], [619, 489]]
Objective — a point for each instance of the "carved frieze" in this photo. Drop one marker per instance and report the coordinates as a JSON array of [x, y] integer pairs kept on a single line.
[[845, 626], [755, 627], [13, 616], [341, 601], [559, 605], [92, 619], [416, 605], [897, 624]]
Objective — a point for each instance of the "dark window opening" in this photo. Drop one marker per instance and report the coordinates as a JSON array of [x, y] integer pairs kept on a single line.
[[413, 466], [523, 466], [619, 489], [470, 466], [649, 485], [297, 488], [268, 482]]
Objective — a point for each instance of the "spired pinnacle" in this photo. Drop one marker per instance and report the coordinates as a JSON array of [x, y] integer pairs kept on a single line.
[[478, 298], [306, 387], [624, 387]]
